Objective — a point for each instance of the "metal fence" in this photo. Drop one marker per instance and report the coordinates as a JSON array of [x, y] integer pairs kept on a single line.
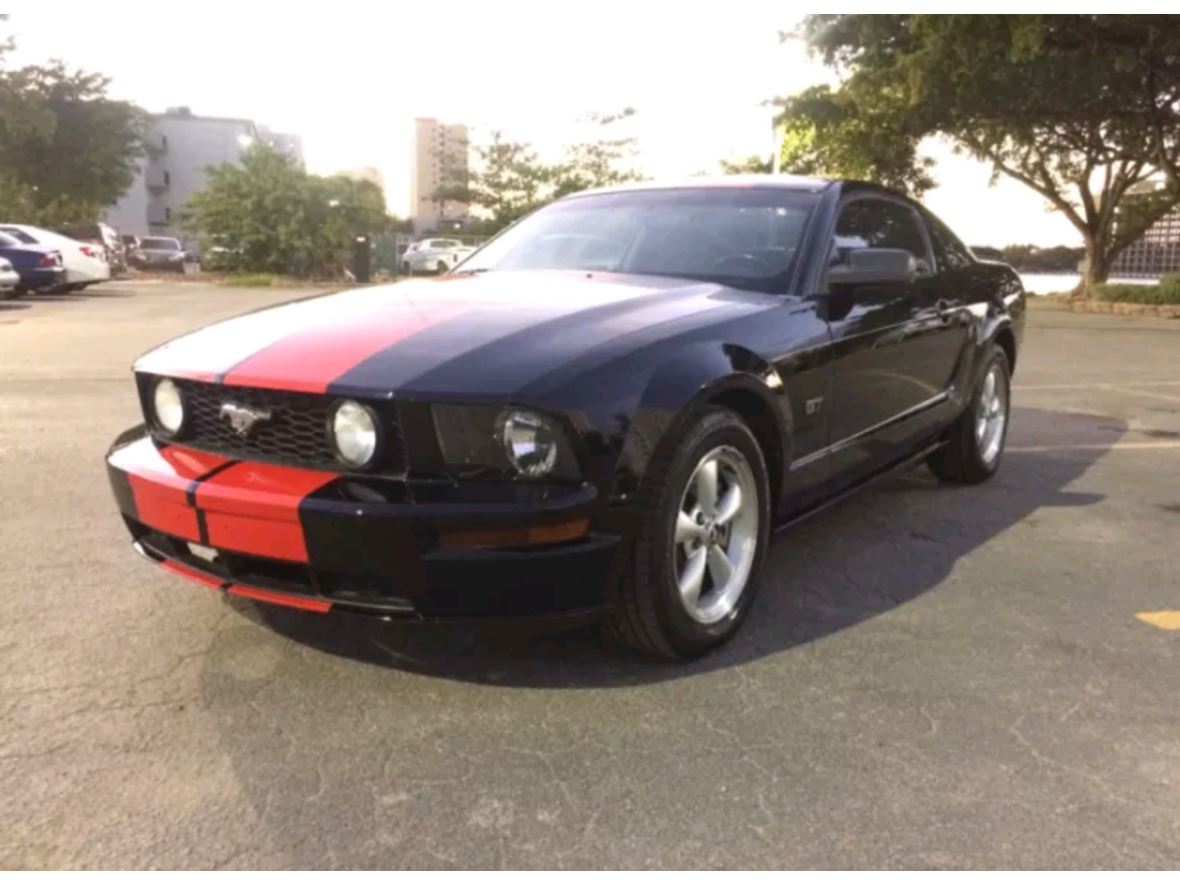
[[1155, 253]]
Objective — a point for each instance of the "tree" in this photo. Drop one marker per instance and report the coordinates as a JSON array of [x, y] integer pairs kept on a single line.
[[508, 179], [1083, 109], [601, 162], [752, 165], [66, 149], [274, 217], [836, 133]]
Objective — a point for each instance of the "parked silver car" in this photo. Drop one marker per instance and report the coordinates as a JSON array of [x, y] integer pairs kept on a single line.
[[158, 253]]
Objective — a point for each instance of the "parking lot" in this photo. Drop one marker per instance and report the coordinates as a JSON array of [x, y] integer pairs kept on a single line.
[[932, 676]]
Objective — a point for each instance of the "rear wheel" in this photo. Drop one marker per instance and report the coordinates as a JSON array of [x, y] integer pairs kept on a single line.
[[441, 268], [703, 538], [976, 440]]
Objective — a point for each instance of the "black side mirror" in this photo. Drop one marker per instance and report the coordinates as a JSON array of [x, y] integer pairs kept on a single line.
[[864, 267]]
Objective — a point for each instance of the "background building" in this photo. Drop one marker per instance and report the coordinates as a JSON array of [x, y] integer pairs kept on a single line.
[[180, 146], [438, 157], [1155, 253]]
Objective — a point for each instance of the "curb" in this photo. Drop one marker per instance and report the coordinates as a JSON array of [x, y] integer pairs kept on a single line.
[[1121, 308]]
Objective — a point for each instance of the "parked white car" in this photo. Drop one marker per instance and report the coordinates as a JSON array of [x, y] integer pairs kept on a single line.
[[85, 263], [9, 278], [435, 255]]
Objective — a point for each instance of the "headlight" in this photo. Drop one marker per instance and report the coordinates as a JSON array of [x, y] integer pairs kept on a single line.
[[354, 433], [168, 406], [480, 440], [529, 441]]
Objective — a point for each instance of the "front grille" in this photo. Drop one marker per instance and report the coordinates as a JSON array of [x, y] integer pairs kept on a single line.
[[296, 433]]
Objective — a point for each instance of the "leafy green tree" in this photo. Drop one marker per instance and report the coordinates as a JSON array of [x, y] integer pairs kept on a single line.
[[274, 217], [601, 162], [1083, 109], [508, 179], [752, 165], [66, 149]]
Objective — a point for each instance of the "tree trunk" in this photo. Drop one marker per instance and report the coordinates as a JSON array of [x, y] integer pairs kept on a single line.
[[1095, 267]]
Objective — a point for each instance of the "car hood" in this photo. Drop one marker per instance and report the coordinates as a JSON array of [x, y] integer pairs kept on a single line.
[[471, 335]]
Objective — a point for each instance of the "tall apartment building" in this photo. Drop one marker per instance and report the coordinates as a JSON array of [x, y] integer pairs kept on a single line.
[[180, 146], [438, 157]]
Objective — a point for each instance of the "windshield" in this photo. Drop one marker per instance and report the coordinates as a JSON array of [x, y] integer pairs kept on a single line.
[[159, 243], [743, 237]]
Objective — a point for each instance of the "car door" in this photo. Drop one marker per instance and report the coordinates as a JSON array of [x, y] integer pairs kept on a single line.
[[881, 388], [943, 323]]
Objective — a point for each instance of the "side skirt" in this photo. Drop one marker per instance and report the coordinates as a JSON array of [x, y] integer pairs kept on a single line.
[[899, 467]]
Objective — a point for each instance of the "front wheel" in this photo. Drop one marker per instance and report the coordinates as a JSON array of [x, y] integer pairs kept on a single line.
[[976, 439], [705, 517], [442, 268]]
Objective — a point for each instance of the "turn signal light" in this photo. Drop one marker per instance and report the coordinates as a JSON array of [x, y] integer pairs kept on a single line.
[[527, 536]]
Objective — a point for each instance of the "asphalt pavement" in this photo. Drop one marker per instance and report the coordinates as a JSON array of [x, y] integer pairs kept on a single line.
[[933, 676]]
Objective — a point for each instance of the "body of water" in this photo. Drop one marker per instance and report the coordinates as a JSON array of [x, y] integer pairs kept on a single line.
[[1045, 283]]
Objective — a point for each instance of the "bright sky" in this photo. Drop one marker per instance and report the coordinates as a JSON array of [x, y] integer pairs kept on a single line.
[[351, 78]]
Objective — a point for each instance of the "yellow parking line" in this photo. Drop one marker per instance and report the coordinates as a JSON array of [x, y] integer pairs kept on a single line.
[[1095, 447], [1166, 620]]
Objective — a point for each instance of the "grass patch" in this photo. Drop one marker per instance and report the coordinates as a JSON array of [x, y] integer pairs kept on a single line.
[[251, 280], [1166, 292]]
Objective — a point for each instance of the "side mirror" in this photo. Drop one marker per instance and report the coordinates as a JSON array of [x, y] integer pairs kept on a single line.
[[866, 267]]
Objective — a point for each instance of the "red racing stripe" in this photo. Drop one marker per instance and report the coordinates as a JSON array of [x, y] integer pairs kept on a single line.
[[160, 480], [254, 508], [310, 359], [288, 599], [164, 508]]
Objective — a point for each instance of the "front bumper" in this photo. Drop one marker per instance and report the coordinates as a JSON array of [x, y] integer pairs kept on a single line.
[[326, 542]]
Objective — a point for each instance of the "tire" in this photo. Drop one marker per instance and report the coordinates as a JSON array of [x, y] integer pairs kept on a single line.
[[973, 456], [406, 272], [651, 615], [441, 269]]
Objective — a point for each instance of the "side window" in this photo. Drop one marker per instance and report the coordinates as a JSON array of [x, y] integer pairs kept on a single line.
[[881, 224], [948, 249]]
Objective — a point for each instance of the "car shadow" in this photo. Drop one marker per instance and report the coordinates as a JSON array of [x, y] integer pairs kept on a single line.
[[14, 305], [859, 559]]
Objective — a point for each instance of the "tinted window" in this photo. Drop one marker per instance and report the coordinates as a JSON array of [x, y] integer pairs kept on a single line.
[[6, 240], [948, 249], [880, 224], [18, 235], [743, 237]]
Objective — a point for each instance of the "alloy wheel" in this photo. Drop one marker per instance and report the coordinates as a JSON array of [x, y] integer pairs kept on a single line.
[[716, 535], [991, 415]]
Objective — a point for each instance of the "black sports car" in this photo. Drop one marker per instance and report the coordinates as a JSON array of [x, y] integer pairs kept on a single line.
[[606, 410]]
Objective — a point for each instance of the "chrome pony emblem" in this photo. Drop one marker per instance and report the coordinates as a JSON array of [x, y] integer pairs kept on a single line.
[[243, 419]]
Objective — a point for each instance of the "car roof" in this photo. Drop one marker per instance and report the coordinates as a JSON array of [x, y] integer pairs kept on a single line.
[[799, 183], [784, 182]]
